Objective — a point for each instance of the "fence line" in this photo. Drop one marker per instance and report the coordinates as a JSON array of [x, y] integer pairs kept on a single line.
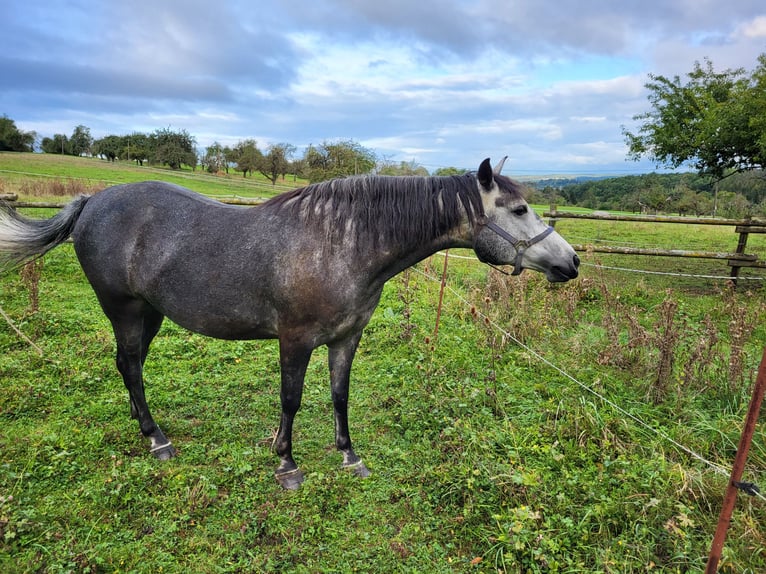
[[735, 260], [630, 270], [719, 469], [12, 200]]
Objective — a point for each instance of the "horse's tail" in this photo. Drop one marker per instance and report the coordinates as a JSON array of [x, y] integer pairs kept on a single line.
[[23, 239]]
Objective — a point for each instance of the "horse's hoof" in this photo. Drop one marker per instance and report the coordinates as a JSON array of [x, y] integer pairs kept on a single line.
[[290, 480], [164, 452], [358, 468]]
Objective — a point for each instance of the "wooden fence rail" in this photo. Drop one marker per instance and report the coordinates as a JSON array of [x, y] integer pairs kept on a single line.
[[736, 260], [12, 200]]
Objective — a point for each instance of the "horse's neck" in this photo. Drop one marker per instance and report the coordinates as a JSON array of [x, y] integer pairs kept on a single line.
[[395, 258]]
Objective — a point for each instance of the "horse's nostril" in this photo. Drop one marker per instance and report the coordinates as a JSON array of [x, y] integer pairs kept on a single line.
[[576, 260]]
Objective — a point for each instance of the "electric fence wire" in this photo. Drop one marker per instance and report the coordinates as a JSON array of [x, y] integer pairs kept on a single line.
[[669, 274], [716, 467], [643, 271]]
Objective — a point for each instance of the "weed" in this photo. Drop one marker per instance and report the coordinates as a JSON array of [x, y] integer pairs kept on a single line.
[[30, 278], [667, 333], [406, 296]]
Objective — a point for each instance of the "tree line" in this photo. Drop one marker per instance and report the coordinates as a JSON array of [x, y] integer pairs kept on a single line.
[[740, 195], [177, 148]]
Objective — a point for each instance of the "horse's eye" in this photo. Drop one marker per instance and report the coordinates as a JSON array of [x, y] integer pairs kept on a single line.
[[520, 210]]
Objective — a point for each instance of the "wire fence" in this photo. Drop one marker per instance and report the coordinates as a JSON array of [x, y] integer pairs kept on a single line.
[[717, 468]]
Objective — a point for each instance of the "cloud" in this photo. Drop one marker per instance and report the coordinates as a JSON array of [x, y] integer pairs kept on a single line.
[[443, 82], [756, 28]]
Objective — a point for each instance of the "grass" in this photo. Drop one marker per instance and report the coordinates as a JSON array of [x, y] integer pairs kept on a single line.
[[484, 458], [20, 171]]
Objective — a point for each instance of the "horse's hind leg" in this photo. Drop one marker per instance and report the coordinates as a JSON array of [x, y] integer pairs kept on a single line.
[[134, 328], [151, 326]]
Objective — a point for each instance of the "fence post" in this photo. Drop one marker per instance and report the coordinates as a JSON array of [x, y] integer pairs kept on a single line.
[[552, 219], [741, 244], [736, 472]]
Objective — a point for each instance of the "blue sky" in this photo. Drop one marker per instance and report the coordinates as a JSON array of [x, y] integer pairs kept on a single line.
[[442, 83]]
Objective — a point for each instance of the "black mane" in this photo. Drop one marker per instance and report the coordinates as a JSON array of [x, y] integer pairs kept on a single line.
[[388, 208]]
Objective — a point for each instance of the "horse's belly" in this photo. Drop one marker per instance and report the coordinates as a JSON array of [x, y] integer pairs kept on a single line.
[[222, 319]]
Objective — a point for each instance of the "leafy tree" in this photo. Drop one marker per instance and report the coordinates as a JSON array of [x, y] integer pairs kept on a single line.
[[173, 148], [13, 139], [276, 162], [108, 147], [298, 167], [715, 121], [58, 144], [404, 168], [449, 171], [734, 205], [246, 156], [81, 141], [337, 159], [136, 147], [214, 159]]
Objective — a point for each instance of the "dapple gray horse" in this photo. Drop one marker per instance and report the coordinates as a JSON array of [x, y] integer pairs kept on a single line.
[[306, 267]]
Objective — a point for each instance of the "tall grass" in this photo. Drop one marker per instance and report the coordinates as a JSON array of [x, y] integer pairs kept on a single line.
[[59, 187]]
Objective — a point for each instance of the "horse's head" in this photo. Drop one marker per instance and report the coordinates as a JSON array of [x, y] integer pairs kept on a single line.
[[510, 233]]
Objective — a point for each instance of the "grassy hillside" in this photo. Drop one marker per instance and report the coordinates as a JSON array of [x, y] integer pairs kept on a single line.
[[20, 171]]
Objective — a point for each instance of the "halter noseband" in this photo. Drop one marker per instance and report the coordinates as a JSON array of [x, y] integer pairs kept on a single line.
[[520, 245]]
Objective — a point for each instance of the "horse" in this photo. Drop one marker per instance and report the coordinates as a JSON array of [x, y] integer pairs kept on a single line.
[[306, 267]]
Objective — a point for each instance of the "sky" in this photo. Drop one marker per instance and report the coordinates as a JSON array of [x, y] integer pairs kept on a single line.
[[549, 83]]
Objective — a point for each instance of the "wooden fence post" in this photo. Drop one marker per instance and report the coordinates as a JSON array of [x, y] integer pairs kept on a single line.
[[736, 472], [741, 244], [552, 219]]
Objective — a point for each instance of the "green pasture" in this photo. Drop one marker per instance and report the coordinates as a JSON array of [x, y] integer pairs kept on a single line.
[[17, 169], [484, 457]]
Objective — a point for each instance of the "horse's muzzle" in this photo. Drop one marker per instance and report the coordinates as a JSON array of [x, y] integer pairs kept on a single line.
[[561, 273]]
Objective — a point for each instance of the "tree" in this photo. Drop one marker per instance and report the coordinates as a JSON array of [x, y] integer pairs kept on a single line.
[[246, 156], [137, 147], [276, 162], [173, 148], [337, 159], [716, 121], [214, 159], [81, 141], [108, 147], [404, 168], [449, 171], [13, 139], [59, 144]]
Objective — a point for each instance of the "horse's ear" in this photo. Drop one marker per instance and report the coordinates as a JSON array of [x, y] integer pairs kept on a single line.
[[485, 174], [499, 166]]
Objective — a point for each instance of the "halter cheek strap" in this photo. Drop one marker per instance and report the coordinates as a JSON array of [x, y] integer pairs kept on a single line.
[[520, 245]]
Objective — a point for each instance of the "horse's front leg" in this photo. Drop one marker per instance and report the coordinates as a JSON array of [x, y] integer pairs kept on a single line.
[[294, 359], [341, 355]]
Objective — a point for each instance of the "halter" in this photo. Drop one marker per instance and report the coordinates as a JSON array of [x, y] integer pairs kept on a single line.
[[520, 245]]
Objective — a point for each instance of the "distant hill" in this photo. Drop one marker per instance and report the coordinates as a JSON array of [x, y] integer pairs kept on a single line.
[[559, 182], [736, 196]]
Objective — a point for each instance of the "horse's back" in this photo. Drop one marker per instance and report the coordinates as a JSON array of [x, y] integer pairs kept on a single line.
[[133, 223]]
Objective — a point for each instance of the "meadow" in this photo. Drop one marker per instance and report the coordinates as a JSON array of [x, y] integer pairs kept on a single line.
[[29, 174], [537, 431]]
